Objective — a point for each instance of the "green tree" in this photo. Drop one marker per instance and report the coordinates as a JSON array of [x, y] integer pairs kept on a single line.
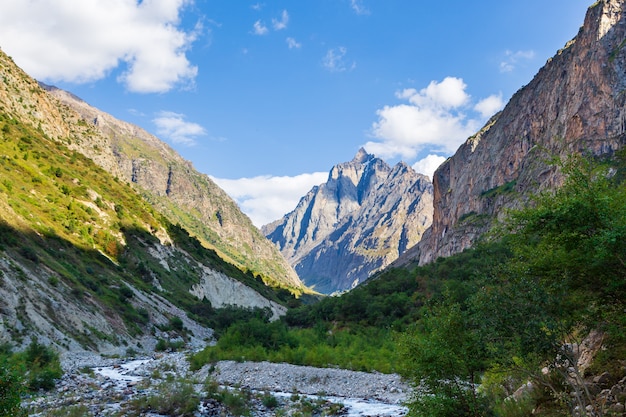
[[444, 362], [567, 276], [524, 320]]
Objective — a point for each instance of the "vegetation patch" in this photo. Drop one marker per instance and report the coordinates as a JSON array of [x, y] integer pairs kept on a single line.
[[506, 188]]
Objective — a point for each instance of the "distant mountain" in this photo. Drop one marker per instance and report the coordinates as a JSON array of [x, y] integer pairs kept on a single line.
[[356, 223], [574, 105], [89, 258]]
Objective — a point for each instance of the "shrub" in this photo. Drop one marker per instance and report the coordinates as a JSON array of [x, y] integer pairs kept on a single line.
[[44, 366], [172, 399], [176, 323], [269, 401], [11, 388]]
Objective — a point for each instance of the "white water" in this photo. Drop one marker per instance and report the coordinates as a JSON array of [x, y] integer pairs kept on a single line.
[[123, 374], [359, 406]]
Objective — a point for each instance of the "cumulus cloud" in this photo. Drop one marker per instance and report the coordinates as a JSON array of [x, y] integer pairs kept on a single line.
[[512, 59], [292, 43], [335, 60], [268, 198], [489, 106], [259, 28], [282, 23], [173, 126], [429, 165], [84, 41], [432, 118]]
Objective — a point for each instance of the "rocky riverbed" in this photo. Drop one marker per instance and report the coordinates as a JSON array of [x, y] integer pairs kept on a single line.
[[155, 386]]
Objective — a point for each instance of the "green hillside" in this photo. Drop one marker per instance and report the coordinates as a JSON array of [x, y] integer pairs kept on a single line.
[[92, 233]]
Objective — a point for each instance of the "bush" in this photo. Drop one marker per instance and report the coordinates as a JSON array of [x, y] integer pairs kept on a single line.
[[11, 389], [172, 399], [176, 323], [43, 366], [269, 401]]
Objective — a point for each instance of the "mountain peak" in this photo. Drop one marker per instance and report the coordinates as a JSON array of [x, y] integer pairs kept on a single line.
[[356, 223], [362, 156]]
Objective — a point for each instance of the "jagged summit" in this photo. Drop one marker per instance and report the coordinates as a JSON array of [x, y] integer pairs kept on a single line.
[[362, 156], [359, 221]]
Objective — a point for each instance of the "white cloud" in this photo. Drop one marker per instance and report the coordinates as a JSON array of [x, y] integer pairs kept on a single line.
[[259, 28], [447, 94], [292, 43], [257, 6], [429, 165], [172, 126], [335, 60], [489, 106], [434, 118], [282, 23], [512, 59], [357, 6], [266, 198], [84, 41]]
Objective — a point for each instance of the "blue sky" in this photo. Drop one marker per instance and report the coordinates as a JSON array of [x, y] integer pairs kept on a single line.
[[265, 97]]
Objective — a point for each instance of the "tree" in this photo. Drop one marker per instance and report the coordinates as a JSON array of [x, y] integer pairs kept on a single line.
[[567, 276], [523, 320], [11, 389], [444, 361]]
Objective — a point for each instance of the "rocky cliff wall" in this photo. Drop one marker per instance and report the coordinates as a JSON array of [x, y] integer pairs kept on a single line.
[[575, 104]]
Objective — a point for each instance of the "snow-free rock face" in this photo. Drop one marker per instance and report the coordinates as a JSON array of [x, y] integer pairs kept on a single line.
[[359, 221], [574, 105]]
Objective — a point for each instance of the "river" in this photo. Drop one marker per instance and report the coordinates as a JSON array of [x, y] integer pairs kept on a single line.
[[133, 372]]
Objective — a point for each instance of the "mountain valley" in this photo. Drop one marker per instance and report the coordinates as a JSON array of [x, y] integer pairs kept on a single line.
[[497, 289]]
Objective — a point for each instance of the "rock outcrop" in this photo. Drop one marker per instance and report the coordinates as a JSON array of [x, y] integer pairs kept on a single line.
[[574, 105], [356, 223]]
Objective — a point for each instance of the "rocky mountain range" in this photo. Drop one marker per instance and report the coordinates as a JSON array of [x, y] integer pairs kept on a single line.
[[574, 105], [183, 194], [360, 220]]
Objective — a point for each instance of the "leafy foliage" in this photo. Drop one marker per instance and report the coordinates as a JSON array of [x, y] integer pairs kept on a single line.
[[173, 398], [363, 349], [34, 369], [565, 277], [11, 389]]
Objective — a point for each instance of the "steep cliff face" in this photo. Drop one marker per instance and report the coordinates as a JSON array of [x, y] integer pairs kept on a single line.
[[172, 185], [575, 104], [359, 221]]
